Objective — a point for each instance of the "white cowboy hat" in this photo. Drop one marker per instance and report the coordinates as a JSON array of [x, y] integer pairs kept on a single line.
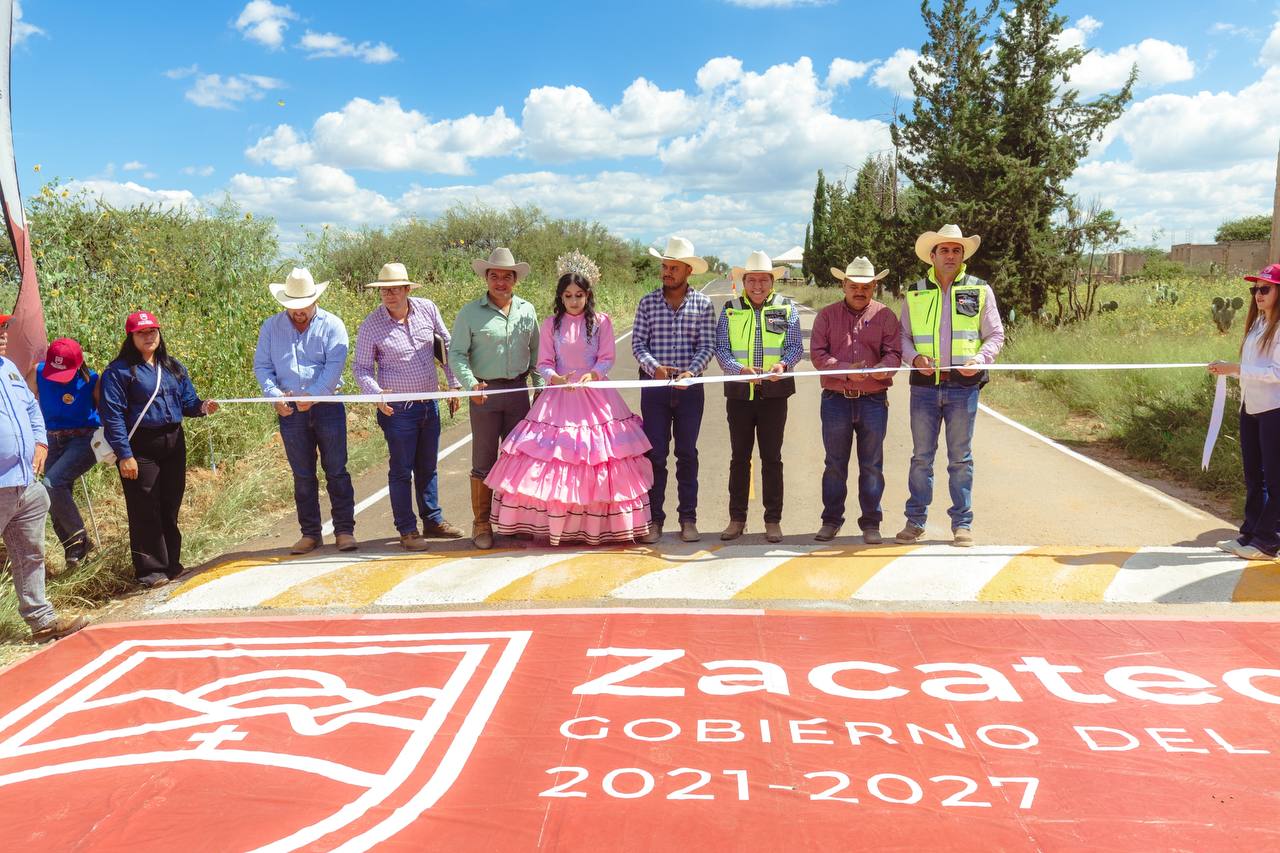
[[861, 271], [680, 249], [946, 234], [298, 290], [393, 275], [757, 262], [500, 259]]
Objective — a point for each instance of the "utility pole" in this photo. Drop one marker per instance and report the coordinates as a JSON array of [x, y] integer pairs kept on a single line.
[[1274, 252]]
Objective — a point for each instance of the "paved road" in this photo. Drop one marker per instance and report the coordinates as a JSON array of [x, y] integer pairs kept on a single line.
[[1051, 526]]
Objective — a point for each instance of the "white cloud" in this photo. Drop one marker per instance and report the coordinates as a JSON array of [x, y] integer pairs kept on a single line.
[[841, 71], [1159, 62], [1221, 28], [325, 45], [265, 22], [1270, 54], [385, 136], [134, 166], [634, 127], [211, 90], [1177, 203], [894, 73], [315, 194], [1184, 132], [179, 73], [21, 29], [766, 130], [200, 171], [282, 148], [130, 194]]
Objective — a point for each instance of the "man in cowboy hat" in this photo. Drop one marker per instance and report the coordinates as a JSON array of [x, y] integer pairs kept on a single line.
[[396, 354], [758, 333], [950, 328], [856, 332], [301, 352], [673, 337], [495, 346]]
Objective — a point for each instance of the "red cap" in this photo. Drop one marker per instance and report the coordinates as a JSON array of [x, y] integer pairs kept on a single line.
[[62, 360], [140, 320], [4, 318], [1268, 275]]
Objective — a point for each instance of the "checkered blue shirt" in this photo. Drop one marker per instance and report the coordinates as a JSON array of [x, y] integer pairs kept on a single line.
[[684, 339]]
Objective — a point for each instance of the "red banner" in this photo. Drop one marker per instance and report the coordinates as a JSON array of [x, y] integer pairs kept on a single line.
[[622, 731]]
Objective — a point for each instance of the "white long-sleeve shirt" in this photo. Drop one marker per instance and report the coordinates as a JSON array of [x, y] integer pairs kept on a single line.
[[1260, 371]]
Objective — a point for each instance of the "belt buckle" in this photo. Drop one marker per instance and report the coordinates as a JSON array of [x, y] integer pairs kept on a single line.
[[851, 395]]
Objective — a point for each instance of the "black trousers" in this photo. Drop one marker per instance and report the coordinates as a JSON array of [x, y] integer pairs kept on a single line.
[[764, 419], [153, 500]]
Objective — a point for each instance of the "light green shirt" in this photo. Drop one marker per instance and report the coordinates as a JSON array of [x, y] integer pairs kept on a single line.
[[488, 344]]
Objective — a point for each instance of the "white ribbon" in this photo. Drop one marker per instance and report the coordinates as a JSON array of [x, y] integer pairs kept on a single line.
[[681, 383], [1215, 421]]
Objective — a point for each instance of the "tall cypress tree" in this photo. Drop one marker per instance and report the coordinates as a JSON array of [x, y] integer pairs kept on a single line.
[[817, 245], [994, 134]]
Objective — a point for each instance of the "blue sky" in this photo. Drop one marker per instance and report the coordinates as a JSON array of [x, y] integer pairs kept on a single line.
[[707, 118]]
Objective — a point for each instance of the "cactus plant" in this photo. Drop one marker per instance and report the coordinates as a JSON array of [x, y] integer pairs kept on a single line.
[[1224, 311], [1112, 305], [1164, 294]]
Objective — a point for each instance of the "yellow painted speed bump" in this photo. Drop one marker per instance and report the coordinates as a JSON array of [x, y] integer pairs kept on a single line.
[[831, 573], [1057, 573], [590, 576]]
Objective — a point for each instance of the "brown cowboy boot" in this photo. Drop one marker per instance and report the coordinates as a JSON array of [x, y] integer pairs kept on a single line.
[[481, 529]]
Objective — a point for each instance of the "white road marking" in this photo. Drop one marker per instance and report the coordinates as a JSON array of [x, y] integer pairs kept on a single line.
[[719, 575], [1171, 575], [251, 587], [469, 579], [939, 573]]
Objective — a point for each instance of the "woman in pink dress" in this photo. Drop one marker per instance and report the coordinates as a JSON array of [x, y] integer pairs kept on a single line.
[[575, 469]]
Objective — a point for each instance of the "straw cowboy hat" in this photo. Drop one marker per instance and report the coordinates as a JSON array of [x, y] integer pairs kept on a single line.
[[946, 234], [393, 275], [861, 271], [680, 249], [299, 290], [500, 259], [757, 262]]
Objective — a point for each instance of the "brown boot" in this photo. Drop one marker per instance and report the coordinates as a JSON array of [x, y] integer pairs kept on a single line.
[[481, 529]]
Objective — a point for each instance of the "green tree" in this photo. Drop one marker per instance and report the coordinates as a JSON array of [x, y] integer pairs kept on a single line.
[[808, 248], [818, 244], [995, 132], [1245, 228]]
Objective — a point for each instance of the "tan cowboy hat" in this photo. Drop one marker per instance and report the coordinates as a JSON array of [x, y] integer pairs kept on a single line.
[[861, 271], [298, 290], [946, 234], [757, 262], [393, 275], [500, 259], [680, 249]]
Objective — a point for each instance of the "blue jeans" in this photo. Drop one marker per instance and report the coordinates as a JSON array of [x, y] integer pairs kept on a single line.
[[70, 455], [842, 419], [413, 441], [321, 429], [956, 406], [1260, 458], [22, 513], [669, 412]]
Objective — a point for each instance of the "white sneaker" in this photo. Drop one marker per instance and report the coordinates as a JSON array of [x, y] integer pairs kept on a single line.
[[1249, 552], [1228, 545]]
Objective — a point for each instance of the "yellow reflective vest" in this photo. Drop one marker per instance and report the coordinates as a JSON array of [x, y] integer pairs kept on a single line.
[[775, 315], [967, 296]]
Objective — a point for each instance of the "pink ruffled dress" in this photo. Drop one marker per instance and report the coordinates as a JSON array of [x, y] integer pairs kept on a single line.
[[575, 469]]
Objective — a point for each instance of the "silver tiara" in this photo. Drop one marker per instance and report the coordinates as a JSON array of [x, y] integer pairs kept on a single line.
[[576, 262]]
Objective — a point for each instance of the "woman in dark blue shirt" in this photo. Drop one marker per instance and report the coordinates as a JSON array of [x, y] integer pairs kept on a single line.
[[150, 446], [68, 393]]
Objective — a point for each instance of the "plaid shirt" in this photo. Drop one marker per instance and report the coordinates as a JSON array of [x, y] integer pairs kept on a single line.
[[402, 354], [684, 338]]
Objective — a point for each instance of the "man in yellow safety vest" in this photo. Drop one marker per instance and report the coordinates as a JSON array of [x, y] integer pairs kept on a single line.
[[950, 328], [758, 333]]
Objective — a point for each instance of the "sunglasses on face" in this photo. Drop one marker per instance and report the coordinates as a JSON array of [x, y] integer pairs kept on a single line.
[[1264, 289]]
